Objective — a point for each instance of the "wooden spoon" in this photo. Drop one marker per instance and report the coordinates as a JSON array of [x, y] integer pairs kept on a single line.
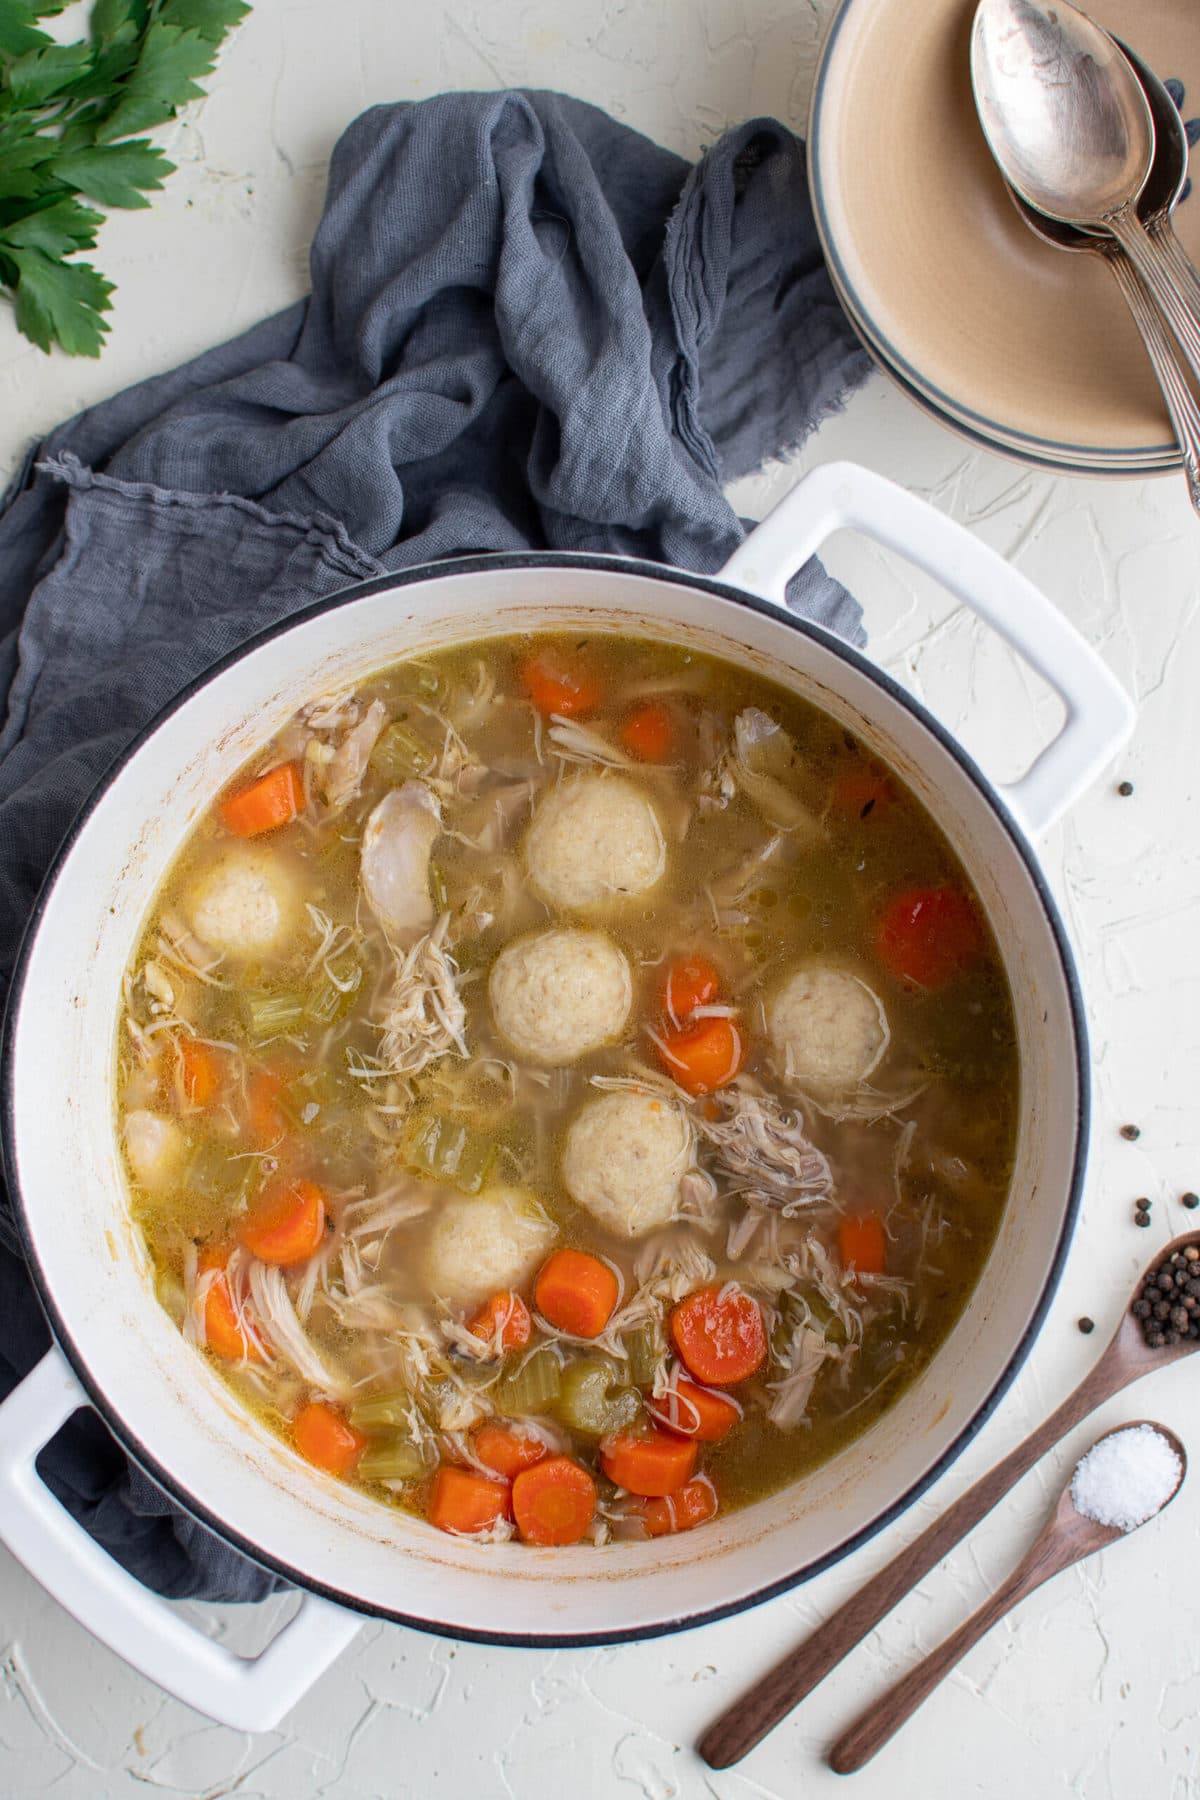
[[1066, 1538], [744, 1724]]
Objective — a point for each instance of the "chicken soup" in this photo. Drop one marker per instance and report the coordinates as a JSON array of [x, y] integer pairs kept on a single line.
[[568, 1088]]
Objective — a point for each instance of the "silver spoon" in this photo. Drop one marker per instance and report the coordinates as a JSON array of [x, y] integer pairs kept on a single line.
[[1152, 207], [1067, 1537], [1168, 175], [1067, 121]]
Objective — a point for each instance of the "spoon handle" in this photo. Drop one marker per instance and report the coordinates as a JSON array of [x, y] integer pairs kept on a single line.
[[1153, 265], [1185, 414], [751, 1717], [884, 1717], [1162, 232]]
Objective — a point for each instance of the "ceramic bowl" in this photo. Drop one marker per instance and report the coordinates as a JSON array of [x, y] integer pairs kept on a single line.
[[1020, 347]]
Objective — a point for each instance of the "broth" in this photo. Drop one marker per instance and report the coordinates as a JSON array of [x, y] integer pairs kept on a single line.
[[567, 1078]]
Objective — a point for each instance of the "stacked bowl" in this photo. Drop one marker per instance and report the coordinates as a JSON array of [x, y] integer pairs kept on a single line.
[[1015, 345]]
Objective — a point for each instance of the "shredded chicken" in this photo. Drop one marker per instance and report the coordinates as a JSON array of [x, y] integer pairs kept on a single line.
[[281, 1327], [576, 743], [806, 1356], [763, 1153], [423, 1017]]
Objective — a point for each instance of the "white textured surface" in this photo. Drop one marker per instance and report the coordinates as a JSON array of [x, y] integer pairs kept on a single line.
[[1089, 1690]]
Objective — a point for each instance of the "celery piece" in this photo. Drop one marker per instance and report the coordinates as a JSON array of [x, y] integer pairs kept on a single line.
[[329, 1000], [531, 1387], [592, 1400], [383, 1412], [449, 1150], [271, 1015], [645, 1347], [398, 755], [396, 1459]]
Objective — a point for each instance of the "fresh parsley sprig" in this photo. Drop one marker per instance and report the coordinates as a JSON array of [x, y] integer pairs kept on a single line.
[[71, 116]]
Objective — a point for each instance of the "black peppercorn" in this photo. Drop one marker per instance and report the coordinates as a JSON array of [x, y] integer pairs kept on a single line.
[[1191, 1201], [1087, 1325], [1142, 1205], [1130, 1132], [1125, 788], [1141, 1309], [1165, 1278]]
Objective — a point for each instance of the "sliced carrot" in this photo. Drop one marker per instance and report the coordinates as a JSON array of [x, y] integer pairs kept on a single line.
[[223, 1332], [463, 1501], [556, 683], [199, 1072], [649, 733], [689, 982], [576, 1292], [508, 1452], [287, 1224], [696, 1412], [704, 1056], [719, 1333], [860, 792], [267, 1122], [695, 1503], [274, 799], [657, 1463], [928, 935], [862, 1243], [554, 1502], [506, 1314], [324, 1439]]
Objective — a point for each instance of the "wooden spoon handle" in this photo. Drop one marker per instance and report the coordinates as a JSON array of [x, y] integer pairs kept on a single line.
[[880, 1721], [750, 1718]]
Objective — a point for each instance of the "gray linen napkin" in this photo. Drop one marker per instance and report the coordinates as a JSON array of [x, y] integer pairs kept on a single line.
[[529, 326]]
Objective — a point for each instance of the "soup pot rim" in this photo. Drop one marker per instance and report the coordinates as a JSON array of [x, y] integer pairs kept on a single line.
[[639, 567]]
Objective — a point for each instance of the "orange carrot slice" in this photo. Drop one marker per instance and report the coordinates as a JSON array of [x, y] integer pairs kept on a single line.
[[928, 935], [287, 1224], [576, 1293], [554, 1502], [557, 683], [223, 1332], [507, 1452], [273, 800], [692, 1504], [704, 1056], [649, 733], [267, 1123], [506, 1314], [690, 981], [463, 1501], [862, 1243], [719, 1333], [657, 1463], [695, 1412], [199, 1072], [860, 792], [324, 1439]]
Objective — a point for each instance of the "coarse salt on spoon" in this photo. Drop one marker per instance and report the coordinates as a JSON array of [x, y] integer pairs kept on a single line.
[[1127, 1357], [1126, 1479]]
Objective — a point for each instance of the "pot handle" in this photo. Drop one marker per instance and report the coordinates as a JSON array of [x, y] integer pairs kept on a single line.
[[842, 496], [249, 1694]]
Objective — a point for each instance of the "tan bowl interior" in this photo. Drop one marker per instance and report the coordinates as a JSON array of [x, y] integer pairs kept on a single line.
[[1000, 330]]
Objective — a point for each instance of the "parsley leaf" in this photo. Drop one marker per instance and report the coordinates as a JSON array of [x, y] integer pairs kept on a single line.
[[114, 174], [58, 230], [60, 302], [212, 19], [71, 119]]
